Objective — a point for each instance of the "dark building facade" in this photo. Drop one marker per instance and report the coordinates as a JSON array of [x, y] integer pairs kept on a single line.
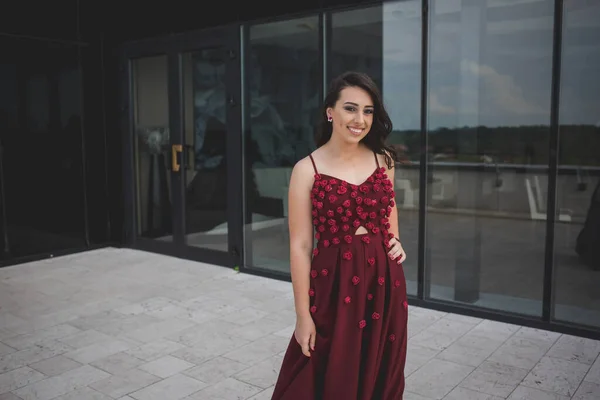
[[175, 131]]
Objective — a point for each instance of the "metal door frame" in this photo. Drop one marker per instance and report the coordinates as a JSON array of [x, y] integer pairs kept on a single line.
[[174, 47]]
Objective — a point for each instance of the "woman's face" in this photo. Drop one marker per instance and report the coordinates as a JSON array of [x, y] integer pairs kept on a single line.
[[352, 114]]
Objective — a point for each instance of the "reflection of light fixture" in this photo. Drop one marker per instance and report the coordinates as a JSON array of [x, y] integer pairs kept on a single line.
[[308, 26], [154, 138], [405, 14]]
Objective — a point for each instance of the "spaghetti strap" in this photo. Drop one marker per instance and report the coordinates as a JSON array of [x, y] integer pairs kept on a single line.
[[376, 159], [313, 163]]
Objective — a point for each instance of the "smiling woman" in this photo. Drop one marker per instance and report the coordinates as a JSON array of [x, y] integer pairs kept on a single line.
[[350, 295]]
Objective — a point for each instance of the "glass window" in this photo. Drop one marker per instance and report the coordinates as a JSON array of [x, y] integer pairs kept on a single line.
[[577, 228], [205, 130], [282, 87], [488, 125], [357, 43], [151, 119], [385, 42], [41, 163]]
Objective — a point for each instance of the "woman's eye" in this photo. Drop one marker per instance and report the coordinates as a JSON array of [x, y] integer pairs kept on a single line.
[[351, 109], [369, 111]]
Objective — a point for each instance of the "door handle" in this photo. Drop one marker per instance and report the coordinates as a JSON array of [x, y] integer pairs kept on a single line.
[[175, 166]]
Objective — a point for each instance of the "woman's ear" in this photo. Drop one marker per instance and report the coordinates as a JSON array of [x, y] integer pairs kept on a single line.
[[329, 112]]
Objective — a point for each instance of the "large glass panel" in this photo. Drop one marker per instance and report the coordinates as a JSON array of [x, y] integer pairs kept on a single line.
[[282, 84], [385, 42], [489, 114], [577, 229], [357, 43], [152, 171], [41, 174], [205, 111]]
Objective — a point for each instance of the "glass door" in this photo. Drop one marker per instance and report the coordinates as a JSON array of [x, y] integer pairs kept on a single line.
[[211, 140], [184, 154], [151, 141]]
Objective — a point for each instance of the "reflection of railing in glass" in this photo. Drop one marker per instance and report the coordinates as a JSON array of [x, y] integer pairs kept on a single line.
[[509, 190]]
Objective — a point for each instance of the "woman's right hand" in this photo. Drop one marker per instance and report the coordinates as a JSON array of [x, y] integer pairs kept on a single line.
[[305, 334]]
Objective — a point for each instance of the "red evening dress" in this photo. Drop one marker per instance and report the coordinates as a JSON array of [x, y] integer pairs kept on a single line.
[[357, 299]]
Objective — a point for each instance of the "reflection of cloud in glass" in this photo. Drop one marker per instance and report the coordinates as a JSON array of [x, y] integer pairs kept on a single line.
[[501, 90], [495, 71], [435, 107], [491, 63], [580, 82], [483, 96]]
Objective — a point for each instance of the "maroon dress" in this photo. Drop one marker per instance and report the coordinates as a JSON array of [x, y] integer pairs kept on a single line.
[[357, 299]]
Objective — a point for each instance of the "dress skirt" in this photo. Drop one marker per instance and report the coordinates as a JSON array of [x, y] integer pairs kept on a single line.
[[358, 303]]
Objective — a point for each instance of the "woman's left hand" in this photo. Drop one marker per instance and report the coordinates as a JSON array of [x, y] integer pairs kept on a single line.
[[396, 251]]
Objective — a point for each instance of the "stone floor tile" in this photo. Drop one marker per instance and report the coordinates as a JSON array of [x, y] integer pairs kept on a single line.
[[416, 357], [85, 393], [55, 365], [228, 389], [263, 374], [587, 391], [97, 351], [118, 363], [9, 396], [61, 384], [120, 385], [557, 375], [495, 379], [258, 350], [216, 370], [437, 378], [175, 387], [461, 393], [27, 340], [17, 378], [153, 350], [264, 395], [576, 349], [4, 350], [527, 393], [166, 366]]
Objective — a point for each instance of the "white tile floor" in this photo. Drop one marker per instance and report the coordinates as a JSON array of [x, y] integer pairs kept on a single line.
[[123, 324]]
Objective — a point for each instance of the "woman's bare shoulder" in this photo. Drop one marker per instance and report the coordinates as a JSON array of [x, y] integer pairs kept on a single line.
[[303, 170]]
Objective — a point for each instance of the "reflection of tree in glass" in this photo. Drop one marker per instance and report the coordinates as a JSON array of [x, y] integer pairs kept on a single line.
[[266, 125], [209, 104]]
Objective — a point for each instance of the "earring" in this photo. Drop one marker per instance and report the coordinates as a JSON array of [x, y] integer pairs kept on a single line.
[[329, 119]]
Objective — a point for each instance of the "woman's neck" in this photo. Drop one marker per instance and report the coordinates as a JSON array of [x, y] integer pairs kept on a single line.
[[344, 151]]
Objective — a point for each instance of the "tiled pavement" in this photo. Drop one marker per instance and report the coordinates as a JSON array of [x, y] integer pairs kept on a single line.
[[123, 324]]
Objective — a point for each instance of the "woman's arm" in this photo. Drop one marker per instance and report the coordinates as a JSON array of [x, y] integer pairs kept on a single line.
[[301, 233], [396, 250], [394, 214]]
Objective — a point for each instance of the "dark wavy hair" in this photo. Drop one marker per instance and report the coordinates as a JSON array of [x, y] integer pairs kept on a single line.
[[382, 124]]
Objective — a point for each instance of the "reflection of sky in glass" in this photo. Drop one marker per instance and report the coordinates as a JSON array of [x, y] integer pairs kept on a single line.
[[402, 63], [580, 83], [490, 63]]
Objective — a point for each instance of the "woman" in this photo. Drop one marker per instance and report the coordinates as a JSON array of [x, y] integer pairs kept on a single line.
[[350, 298]]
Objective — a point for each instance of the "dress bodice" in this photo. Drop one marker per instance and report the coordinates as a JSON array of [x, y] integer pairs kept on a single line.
[[340, 208]]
